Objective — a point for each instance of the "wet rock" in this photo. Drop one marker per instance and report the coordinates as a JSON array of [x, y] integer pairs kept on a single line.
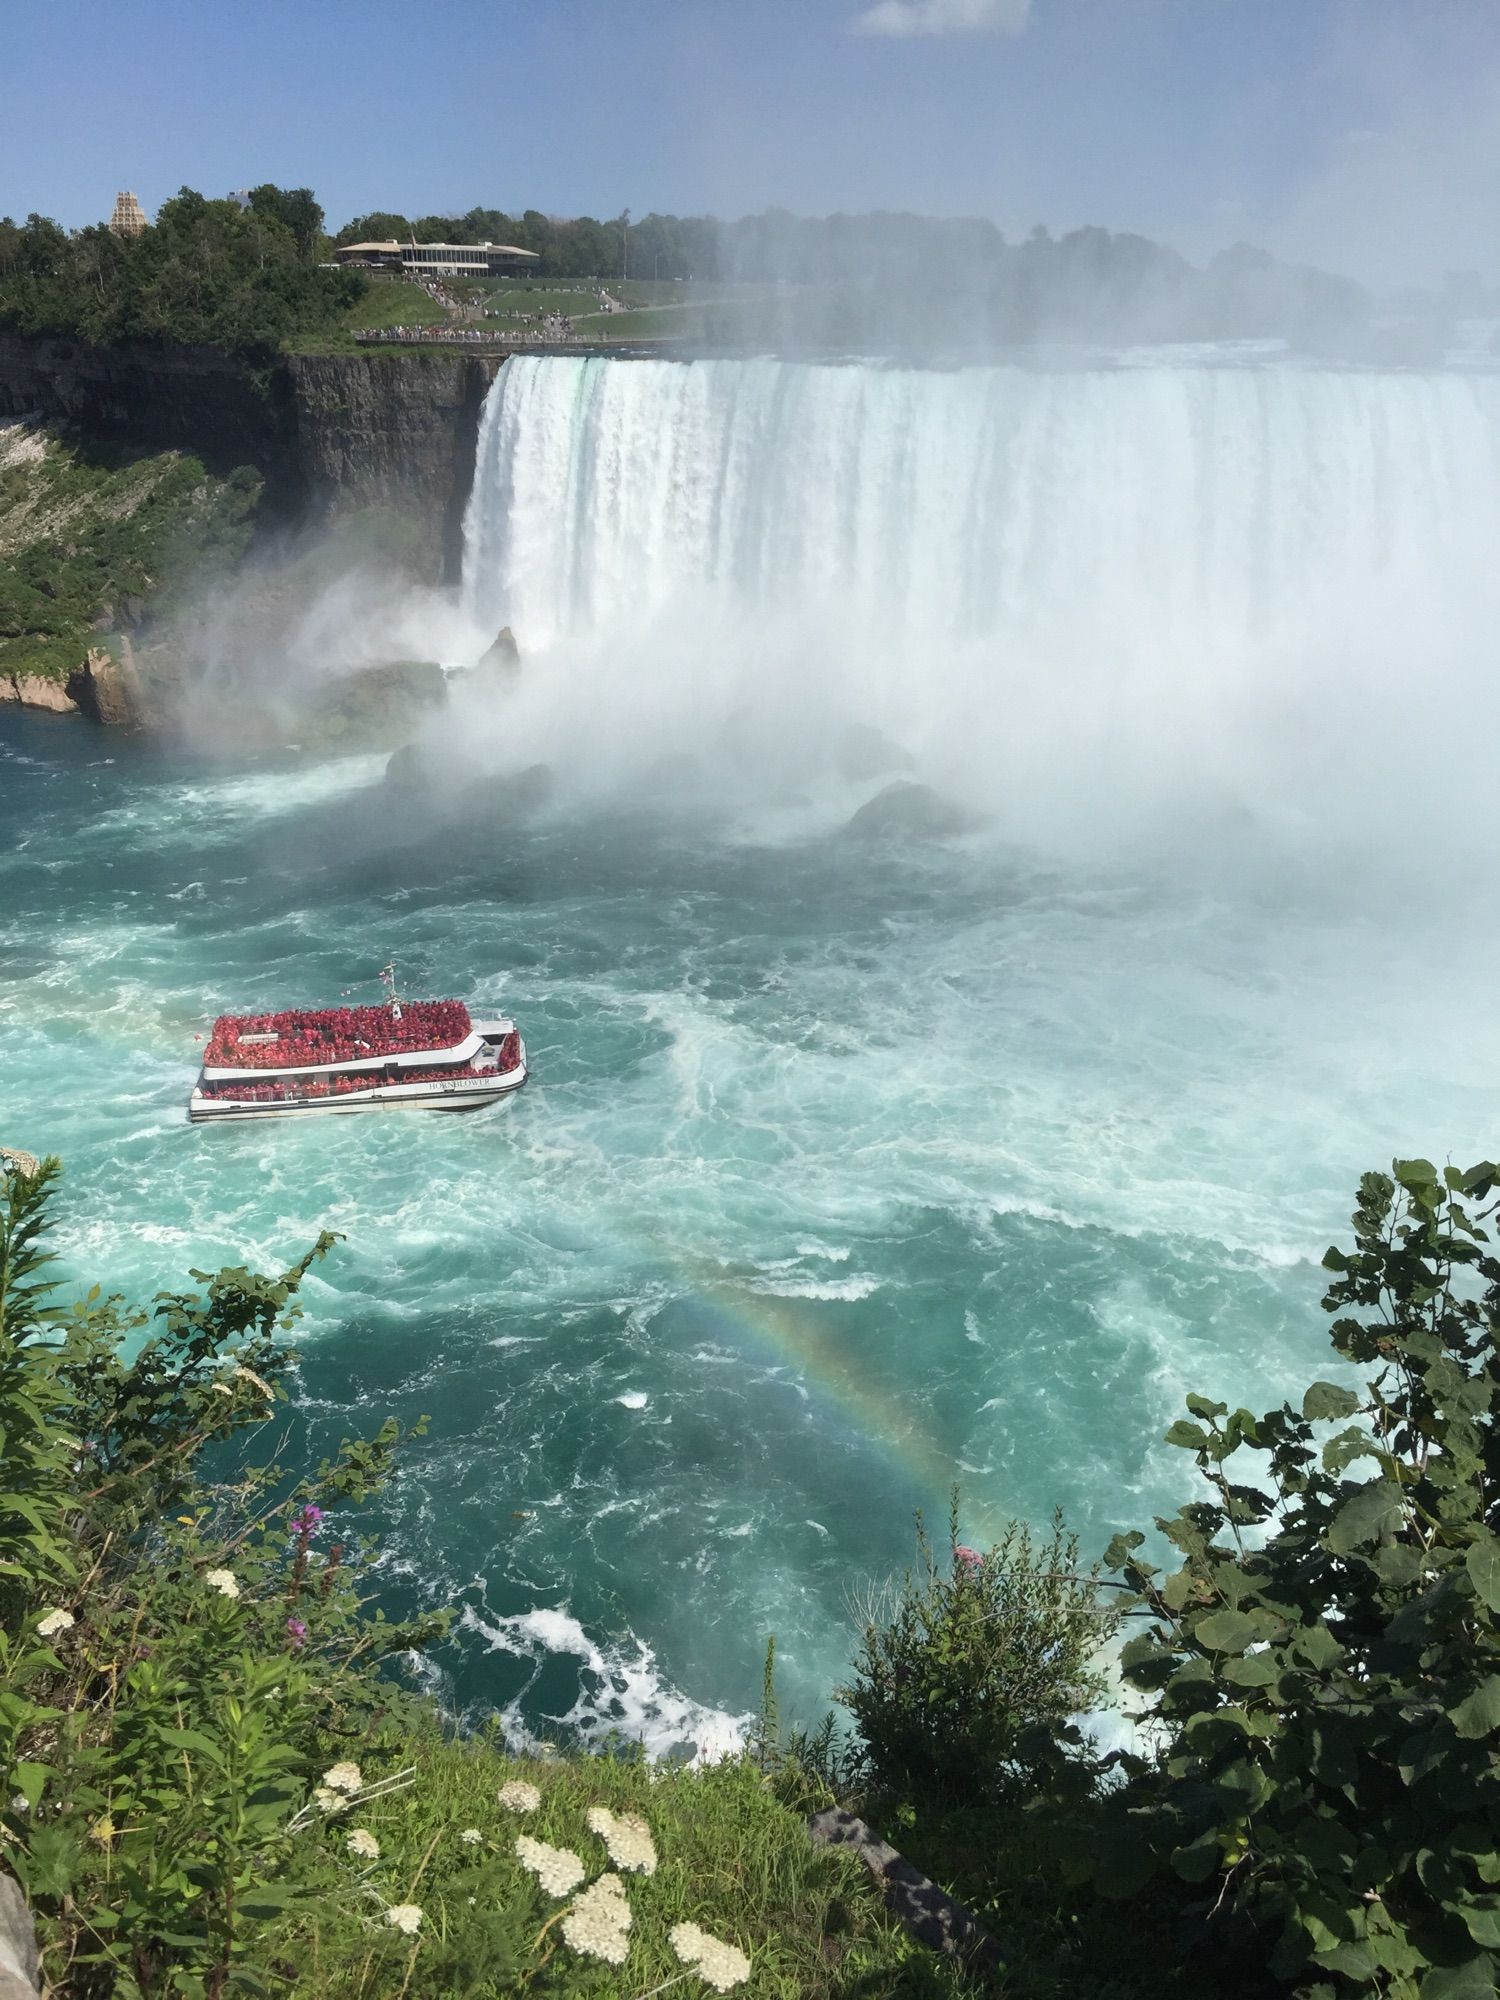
[[107, 690], [451, 783], [18, 1163], [373, 708], [20, 1966], [905, 811], [513, 795], [865, 752], [504, 653], [38, 691]]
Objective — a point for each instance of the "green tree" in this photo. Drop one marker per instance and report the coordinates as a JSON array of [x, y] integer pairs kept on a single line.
[[1324, 1661]]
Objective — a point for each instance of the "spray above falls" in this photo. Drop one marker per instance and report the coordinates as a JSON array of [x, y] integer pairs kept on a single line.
[[1075, 596]]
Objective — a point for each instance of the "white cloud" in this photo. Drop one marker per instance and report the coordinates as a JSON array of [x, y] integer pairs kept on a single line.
[[903, 19]]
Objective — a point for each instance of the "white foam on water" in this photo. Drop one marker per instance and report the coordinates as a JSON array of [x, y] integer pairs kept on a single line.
[[623, 1696], [634, 1399]]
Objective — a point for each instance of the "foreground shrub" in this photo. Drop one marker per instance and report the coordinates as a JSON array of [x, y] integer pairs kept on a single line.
[[972, 1658], [1325, 1661]]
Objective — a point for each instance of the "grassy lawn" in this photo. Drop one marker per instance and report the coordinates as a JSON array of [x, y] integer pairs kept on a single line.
[[729, 1858], [650, 323], [388, 304]]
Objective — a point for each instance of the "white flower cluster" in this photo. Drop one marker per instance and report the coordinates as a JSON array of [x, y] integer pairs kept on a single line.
[[343, 1778], [224, 1581], [363, 1843], [717, 1964], [404, 1917], [55, 1621], [558, 1869], [627, 1838], [518, 1796], [598, 1924], [471, 1836]]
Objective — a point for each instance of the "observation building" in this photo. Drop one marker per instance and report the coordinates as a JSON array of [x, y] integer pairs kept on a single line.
[[440, 260], [129, 218]]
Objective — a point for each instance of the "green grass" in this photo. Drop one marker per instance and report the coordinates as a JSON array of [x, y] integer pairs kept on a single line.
[[730, 1859], [661, 323], [392, 304]]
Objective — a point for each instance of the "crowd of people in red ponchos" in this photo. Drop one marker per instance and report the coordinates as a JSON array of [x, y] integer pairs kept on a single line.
[[335, 1034], [279, 1089]]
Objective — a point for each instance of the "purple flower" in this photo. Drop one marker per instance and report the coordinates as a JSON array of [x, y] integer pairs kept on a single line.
[[297, 1633], [970, 1558], [304, 1523]]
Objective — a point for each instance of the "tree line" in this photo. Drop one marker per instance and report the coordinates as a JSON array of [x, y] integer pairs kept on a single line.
[[248, 274], [211, 272]]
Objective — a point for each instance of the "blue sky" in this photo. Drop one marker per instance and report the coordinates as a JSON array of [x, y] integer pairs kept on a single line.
[[1361, 133]]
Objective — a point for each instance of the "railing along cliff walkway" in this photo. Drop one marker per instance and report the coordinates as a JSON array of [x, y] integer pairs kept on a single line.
[[481, 340]]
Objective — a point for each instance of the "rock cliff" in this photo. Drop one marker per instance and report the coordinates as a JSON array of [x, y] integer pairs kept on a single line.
[[331, 434], [166, 398], [390, 430]]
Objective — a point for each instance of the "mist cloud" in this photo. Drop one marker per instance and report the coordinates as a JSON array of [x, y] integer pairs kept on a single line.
[[903, 19]]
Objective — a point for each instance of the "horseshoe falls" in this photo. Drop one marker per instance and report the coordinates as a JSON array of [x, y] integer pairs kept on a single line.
[[851, 1170]]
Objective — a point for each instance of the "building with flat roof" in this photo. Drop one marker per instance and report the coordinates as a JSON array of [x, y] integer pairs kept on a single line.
[[440, 260], [129, 218]]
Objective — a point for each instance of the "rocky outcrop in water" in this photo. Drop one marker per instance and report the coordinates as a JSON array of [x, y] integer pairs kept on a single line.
[[906, 811], [38, 691], [373, 708], [108, 690]]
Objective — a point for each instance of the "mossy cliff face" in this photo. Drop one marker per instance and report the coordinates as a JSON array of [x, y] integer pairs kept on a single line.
[[329, 435], [134, 479]]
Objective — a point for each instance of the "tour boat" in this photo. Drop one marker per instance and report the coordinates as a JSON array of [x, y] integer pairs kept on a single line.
[[425, 1055]]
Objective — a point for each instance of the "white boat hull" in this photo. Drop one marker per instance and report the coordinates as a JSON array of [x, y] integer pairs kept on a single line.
[[469, 1093]]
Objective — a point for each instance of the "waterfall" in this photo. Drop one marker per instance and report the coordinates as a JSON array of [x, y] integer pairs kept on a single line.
[[1150, 580]]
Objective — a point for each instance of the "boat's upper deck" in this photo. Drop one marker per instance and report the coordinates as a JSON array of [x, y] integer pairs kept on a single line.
[[329, 1037]]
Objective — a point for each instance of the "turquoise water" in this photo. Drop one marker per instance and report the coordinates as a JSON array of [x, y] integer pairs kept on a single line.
[[846, 1173], [843, 1174]]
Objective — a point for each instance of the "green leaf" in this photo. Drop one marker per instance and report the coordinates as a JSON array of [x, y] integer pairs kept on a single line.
[[1372, 1513], [1483, 1564], [1227, 1631], [1246, 1784], [1254, 1670], [1317, 1646], [1327, 1399], [1482, 1916], [30, 1781], [1200, 1406], [1199, 1859], [1188, 1437], [1477, 1715], [193, 1739], [1474, 1980]]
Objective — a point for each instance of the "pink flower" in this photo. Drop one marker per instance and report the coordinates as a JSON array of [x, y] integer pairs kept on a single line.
[[970, 1558], [297, 1633]]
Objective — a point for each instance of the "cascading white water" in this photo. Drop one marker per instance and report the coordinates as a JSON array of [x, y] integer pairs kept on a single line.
[[1137, 584]]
